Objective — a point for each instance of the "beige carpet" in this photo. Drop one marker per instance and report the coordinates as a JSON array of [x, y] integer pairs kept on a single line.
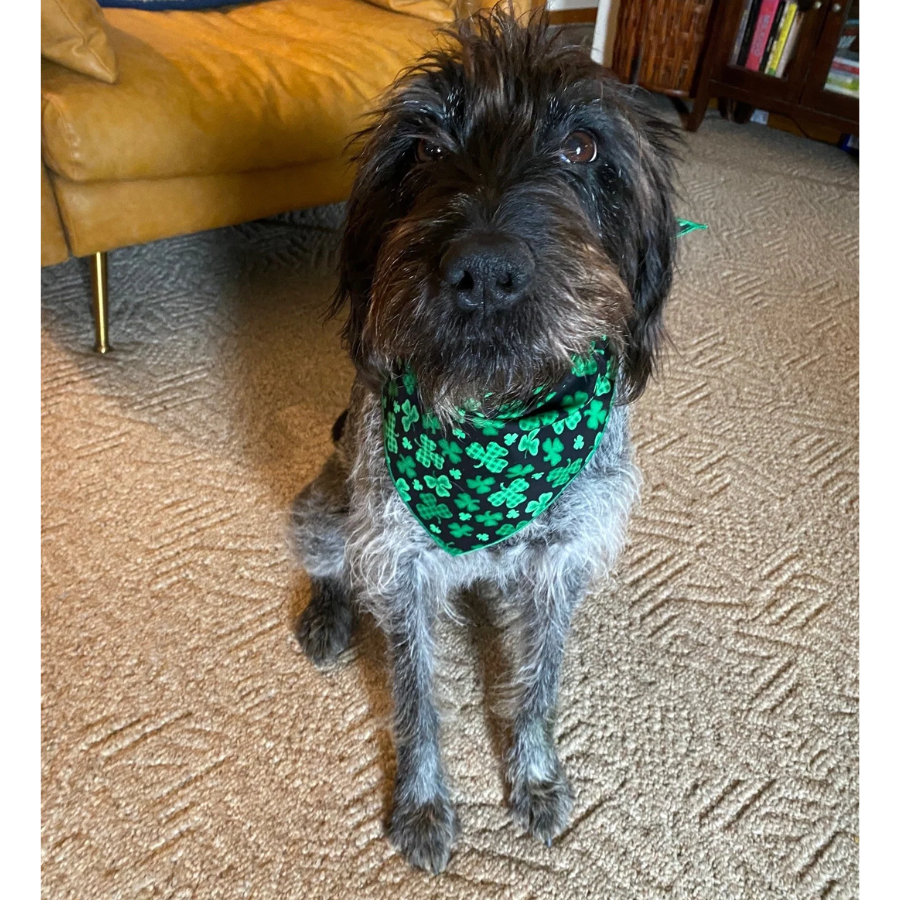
[[709, 715]]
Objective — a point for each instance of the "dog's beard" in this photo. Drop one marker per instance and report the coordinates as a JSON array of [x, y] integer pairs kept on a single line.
[[505, 357]]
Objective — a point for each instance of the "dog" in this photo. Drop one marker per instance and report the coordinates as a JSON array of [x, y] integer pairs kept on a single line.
[[508, 251]]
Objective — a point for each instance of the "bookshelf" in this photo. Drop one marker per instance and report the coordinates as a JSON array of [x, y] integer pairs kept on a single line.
[[799, 58]]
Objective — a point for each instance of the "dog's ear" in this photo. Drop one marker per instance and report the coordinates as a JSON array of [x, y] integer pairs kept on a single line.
[[647, 243], [375, 201]]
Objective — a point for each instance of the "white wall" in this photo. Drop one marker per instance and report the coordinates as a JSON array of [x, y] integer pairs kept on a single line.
[[556, 5], [605, 32]]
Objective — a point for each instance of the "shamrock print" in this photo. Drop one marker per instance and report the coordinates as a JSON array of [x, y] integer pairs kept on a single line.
[[429, 508], [480, 485], [518, 460], [565, 473], [459, 530], [584, 365], [390, 432], [519, 471], [451, 450], [510, 495], [570, 421], [553, 450], [596, 414], [467, 502], [573, 401], [426, 455], [487, 427], [402, 489], [530, 443], [440, 485], [536, 421], [536, 507], [490, 518], [491, 457], [410, 415]]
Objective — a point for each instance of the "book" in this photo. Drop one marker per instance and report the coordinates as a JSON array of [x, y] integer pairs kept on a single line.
[[773, 34], [784, 29], [761, 33], [789, 45], [742, 28], [845, 65], [747, 36], [849, 87]]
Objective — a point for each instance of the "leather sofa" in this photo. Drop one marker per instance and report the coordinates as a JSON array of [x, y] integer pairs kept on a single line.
[[196, 120]]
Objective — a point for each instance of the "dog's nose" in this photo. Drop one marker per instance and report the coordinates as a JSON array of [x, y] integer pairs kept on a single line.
[[487, 272]]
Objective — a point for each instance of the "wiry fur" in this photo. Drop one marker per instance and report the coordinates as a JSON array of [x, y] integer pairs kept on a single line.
[[500, 99]]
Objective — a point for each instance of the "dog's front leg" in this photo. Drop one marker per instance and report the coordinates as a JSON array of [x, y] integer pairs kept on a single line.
[[423, 823], [540, 797]]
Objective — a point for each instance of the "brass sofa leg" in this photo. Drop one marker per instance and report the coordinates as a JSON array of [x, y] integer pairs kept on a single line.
[[100, 302]]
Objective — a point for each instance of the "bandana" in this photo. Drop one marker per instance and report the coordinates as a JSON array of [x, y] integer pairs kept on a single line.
[[486, 479]]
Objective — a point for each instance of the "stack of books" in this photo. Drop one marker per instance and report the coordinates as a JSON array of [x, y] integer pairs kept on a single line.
[[767, 36], [844, 74]]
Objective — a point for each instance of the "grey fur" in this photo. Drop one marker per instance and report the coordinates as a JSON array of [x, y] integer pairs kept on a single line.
[[356, 538]]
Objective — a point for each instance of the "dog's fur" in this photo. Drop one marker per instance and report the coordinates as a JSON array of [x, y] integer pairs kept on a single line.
[[499, 100]]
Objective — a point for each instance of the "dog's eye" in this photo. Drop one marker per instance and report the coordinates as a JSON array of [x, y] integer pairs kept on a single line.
[[579, 147], [428, 150]]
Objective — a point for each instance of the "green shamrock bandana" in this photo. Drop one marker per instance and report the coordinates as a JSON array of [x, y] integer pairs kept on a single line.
[[487, 478]]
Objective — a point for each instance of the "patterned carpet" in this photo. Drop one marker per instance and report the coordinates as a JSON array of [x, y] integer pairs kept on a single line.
[[709, 714]]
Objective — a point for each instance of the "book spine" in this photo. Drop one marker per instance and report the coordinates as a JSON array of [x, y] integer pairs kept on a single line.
[[742, 29], [789, 45], [748, 32], [773, 34], [761, 34], [845, 65], [784, 29]]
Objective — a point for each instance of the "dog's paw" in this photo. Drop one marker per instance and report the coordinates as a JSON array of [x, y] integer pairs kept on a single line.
[[542, 808], [325, 628], [425, 834]]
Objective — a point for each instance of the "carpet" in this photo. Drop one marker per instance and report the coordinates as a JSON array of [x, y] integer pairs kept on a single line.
[[709, 714]]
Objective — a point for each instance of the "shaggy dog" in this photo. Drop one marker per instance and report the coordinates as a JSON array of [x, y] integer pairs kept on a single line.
[[509, 248]]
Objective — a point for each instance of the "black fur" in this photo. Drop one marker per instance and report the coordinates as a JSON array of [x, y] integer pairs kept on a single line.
[[499, 100]]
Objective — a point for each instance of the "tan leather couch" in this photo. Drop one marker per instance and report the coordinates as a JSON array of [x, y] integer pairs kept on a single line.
[[211, 118]]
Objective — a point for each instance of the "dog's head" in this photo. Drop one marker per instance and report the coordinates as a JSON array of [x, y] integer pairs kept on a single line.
[[512, 204]]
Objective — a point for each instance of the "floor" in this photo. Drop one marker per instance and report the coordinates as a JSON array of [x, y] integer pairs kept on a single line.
[[709, 716]]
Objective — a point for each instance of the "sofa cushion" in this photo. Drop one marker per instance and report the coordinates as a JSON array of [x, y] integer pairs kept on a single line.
[[199, 93], [435, 10], [73, 34]]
